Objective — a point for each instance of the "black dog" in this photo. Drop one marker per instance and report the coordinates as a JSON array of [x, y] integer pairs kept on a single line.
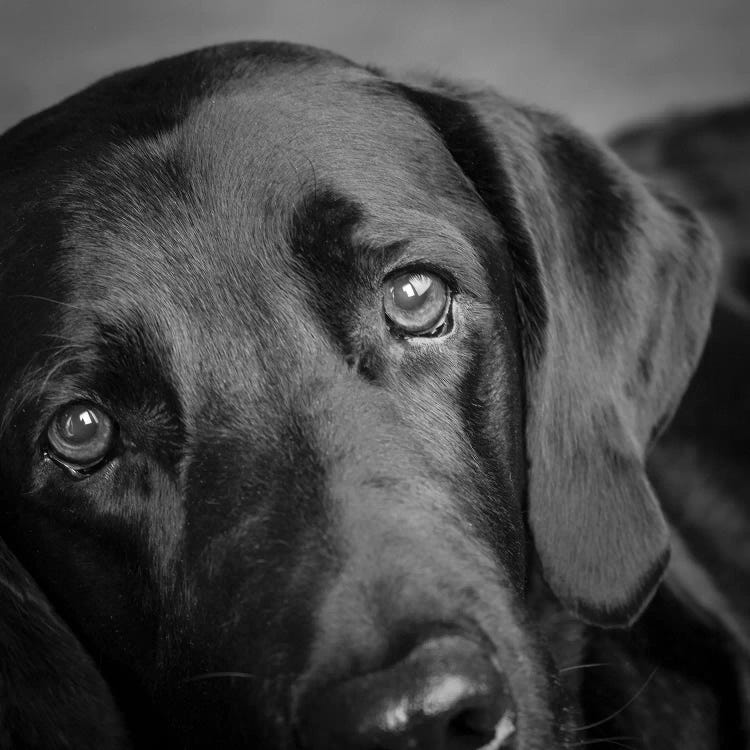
[[308, 373]]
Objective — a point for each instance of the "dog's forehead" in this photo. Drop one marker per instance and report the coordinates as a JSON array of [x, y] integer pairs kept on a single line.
[[267, 138], [213, 200], [192, 219], [249, 154], [345, 127]]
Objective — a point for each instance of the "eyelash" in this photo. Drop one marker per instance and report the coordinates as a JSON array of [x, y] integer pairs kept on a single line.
[[425, 266]]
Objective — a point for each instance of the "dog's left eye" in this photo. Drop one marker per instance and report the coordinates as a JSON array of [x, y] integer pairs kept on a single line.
[[417, 303], [80, 436]]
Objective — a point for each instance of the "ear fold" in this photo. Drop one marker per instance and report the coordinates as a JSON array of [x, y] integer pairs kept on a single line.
[[51, 694], [614, 288]]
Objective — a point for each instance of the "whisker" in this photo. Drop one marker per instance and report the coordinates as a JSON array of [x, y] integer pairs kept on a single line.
[[56, 336], [622, 708], [65, 347], [586, 666], [617, 741], [215, 675], [50, 374], [49, 299]]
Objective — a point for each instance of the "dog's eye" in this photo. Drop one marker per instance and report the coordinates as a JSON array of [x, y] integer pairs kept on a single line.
[[417, 303], [80, 436]]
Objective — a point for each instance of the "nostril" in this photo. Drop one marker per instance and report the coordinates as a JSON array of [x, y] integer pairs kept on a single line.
[[474, 721], [480, 730], [445, 695]]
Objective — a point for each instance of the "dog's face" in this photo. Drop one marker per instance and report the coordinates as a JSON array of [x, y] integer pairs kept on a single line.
[[305, 367]]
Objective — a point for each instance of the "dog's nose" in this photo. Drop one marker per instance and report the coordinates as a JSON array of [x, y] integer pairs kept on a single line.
[[445, 695]]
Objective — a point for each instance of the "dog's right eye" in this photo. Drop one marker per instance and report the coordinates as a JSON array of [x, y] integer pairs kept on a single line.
[[80, 437]]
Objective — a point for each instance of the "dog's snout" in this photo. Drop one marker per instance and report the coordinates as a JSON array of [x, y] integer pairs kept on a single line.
[[446, 694]]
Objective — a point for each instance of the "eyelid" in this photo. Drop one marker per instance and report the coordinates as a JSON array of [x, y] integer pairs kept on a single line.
[[77, 472], [421, 267], [439, 248], [56, 395]]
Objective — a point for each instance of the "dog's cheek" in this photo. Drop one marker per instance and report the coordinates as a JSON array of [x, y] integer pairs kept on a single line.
[[463, 399], [84, 542]]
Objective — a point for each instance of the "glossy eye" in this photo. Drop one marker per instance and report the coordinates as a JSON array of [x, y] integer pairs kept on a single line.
[[417, 303], [80, 436]]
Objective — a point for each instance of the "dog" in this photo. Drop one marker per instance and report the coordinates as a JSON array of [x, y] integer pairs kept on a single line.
[[326, 400]]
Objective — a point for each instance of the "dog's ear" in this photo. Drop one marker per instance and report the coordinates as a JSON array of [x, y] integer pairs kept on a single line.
[[51, 694], [614, 291]]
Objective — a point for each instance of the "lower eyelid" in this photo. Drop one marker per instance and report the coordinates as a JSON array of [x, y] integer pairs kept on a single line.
[[76, 472], [449, 320]]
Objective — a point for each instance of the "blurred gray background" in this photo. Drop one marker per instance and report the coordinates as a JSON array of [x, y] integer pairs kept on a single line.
[[602, 62]]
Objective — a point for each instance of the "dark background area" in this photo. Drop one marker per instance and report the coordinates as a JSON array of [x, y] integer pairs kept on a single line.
[[602, 62]]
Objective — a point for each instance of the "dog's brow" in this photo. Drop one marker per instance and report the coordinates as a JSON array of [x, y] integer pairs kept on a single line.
[[101, 358], [329, 229]]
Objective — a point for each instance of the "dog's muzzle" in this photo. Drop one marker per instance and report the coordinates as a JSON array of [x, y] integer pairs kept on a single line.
[[447, 694]]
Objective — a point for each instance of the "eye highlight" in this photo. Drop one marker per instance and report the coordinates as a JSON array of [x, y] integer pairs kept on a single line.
[[417, 303], [80, 436]]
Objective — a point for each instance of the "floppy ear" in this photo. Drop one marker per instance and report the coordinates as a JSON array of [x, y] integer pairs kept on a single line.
[[614, 291], [51, 694]]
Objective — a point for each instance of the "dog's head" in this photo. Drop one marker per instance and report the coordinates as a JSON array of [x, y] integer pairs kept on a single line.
[[305, 367]]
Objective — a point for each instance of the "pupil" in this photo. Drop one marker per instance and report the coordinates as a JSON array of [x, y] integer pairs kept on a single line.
[[411, 295], [81, 426]]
